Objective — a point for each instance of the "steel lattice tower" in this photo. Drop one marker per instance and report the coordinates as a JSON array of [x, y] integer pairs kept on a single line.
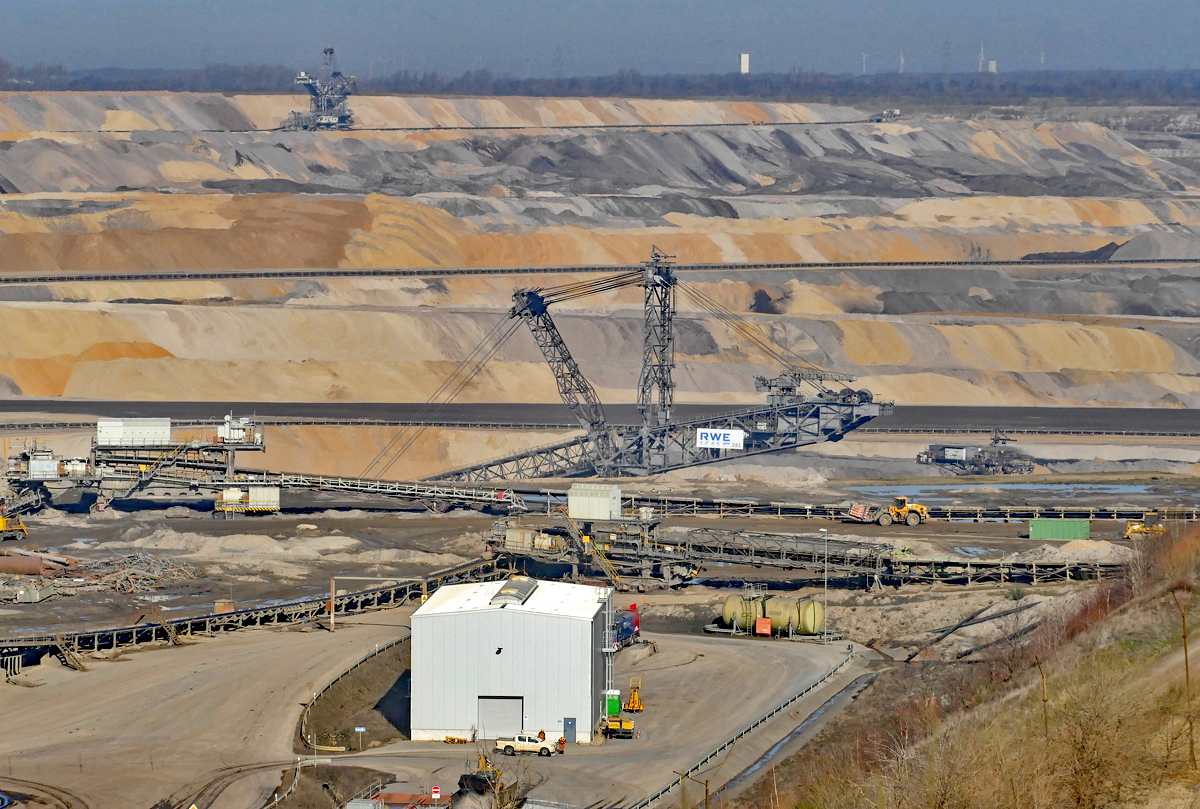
[[656, 390]]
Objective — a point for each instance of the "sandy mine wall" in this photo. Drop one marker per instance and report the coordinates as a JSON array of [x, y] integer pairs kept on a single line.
[[115, 182], [207, 112], [619, 173], [331, 346]]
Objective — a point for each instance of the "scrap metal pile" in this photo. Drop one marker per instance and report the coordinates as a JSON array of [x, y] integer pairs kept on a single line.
[[45, 575], [135, 573]]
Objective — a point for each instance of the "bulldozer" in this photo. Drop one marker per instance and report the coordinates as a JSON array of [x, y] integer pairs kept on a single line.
[[1144, 529]]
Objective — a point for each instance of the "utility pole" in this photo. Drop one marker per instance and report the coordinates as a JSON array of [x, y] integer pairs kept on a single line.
[[1045, 701], [825, 598], [682, 793], [1187, 674]]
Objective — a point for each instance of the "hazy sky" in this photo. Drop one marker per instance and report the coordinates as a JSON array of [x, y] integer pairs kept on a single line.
[[589, 37]]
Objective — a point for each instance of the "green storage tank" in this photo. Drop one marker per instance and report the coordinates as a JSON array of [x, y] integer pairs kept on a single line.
[[612, 702], [1041, 528]]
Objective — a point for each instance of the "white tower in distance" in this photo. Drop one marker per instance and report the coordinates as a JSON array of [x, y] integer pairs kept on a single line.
[[980, 57], [745, 63]]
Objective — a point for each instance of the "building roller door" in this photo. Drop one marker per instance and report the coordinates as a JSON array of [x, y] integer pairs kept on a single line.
[[500, 716]]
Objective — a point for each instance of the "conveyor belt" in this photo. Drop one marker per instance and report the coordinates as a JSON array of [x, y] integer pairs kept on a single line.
[[300, 610], [591, 269]]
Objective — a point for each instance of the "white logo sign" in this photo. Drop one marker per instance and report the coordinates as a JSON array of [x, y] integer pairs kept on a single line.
[[720, 439]]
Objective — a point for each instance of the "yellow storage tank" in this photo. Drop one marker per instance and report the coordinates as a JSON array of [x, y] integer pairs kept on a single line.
[[812, 617], [740, 613], [783, 612]]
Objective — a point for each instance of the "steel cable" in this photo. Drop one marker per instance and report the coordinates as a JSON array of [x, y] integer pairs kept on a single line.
[[512, 326], [488, 345]]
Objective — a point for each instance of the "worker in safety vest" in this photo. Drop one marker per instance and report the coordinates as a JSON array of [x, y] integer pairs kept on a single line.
[[562, 744], [541, 735]]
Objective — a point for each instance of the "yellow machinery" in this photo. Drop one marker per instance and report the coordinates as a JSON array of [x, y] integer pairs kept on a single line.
[[634, 705], [908, 513], [12, 528], [485, 779], [616, 727], [1140, 530]]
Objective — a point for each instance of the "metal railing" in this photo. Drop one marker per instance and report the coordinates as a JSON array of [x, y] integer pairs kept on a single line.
[[649, 799], [275, 799], [308, 706]]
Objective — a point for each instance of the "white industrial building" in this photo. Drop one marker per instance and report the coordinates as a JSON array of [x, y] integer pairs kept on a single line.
[[498, 658]]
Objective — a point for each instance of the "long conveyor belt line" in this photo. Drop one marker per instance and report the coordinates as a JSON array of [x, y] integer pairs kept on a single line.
[[631, 550], [298, 611], [667, 506], [448, 495], [404, 272], [663, 506], [564, 424]]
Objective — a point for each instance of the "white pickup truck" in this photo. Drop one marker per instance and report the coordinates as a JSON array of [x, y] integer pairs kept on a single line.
[[526, 744]]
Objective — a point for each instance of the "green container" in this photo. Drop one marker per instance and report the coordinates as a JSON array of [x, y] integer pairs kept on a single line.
[[612, 703], [1060, 529]]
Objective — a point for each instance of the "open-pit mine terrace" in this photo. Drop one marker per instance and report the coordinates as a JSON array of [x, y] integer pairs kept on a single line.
[[113, 185]]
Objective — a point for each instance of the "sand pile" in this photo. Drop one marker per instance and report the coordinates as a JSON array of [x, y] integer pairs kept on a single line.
[[283, 557], [1080, 551], [789, 478]]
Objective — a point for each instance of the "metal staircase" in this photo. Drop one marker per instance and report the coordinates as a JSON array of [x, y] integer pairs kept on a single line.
[[145, 474], [589, 546]]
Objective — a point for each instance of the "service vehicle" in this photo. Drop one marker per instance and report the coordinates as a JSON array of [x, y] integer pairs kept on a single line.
[[900, 510], [526, 744], [628, 627], [616, 727], [12, 528]]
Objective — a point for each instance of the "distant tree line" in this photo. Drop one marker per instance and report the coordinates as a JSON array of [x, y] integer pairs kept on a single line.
[[1162, 87]]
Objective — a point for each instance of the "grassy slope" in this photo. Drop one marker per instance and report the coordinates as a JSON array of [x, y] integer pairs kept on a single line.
[[1114, 731]]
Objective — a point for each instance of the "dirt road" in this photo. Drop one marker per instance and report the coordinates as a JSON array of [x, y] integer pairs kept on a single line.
[[163, 723], [698, 691]]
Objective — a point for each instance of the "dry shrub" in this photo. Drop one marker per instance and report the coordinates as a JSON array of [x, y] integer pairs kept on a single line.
[[934, 735], [1175, 554], [1108, 743]]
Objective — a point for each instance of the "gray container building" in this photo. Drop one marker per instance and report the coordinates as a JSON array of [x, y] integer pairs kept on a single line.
[[503, 657]]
